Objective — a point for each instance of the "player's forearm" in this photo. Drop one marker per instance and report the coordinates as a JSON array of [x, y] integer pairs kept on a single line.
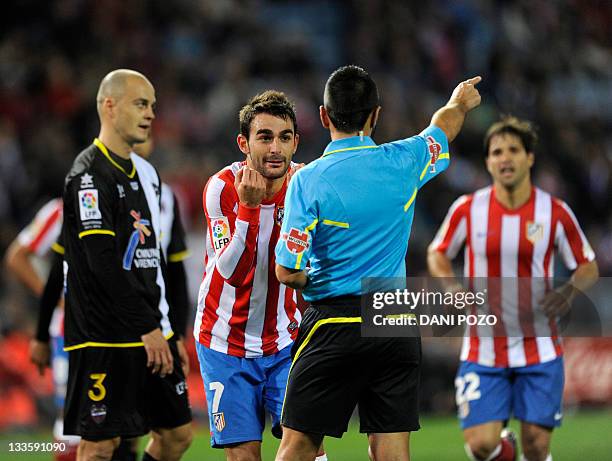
[[293, 278], [177, 297], [236, 260], [439, 264], [585, 276], [17, 261], [450, 119], [50, 297]]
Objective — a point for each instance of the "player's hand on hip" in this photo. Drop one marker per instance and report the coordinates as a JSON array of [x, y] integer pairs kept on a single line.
[[466, 95], [251, 187], [159, 357], [293, 170], [40, 355]]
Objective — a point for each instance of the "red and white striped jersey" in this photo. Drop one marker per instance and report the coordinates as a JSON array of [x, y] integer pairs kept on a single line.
[[242, 308], [511, 244], [44, 230]]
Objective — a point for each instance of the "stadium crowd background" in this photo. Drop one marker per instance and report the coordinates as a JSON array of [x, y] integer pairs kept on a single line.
[[547, 61]]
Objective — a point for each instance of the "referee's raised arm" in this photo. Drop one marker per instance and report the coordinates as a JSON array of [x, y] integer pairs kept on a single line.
[[450, 118]]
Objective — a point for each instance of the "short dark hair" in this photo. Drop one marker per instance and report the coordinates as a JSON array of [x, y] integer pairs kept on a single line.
[[350, 96], [509, 124], [270, 102]]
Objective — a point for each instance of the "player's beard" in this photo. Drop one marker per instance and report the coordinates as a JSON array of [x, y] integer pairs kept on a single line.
[[272, 173]]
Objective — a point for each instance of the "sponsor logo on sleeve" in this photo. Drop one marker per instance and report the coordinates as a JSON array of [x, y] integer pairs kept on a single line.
[[296, 241], [279, 215], [435, 148], [89, 205], [86, 181], [220, 230]]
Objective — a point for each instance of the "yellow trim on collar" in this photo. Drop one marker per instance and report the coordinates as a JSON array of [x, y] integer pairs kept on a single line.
[[104, 150], [349, 148]]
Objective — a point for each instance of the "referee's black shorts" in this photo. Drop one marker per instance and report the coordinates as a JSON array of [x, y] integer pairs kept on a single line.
[[334, 369], [111, 393]]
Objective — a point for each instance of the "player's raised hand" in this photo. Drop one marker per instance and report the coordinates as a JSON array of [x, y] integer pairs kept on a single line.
[[159, 357], [251, 187], [466, 95], [293, 170]]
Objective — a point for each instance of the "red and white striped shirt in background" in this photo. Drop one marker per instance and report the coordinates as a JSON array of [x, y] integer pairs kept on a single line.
[[39, 237], [512, 244], [242, 308], [44, 230]]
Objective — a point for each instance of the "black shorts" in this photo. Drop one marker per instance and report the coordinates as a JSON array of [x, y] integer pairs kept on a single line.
[[112, 393], [335, 368]]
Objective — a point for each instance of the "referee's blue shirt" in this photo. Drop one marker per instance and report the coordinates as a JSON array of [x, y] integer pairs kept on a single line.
[[348, 214]]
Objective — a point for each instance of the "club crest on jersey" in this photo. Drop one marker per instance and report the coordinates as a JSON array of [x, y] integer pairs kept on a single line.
[[534, 231], [98, 413], [219, 421], [220, 231], [141, 231], [279, 214], [89, 205], [296, 241], [86, 181], [435, 148]]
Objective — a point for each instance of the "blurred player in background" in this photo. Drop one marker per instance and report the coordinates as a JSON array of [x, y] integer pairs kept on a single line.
[[513, 229], [118, 321], [349, 214], [39, 239], [246, 321]]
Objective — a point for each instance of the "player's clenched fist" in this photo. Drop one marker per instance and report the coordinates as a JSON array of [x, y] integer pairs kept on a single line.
[[251, 187], [465, 95]]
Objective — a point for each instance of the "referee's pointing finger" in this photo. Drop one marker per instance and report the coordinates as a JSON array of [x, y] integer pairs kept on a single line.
[[474, 80]]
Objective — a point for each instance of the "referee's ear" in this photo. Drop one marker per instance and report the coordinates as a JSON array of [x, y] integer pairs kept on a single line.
[[324, 116]]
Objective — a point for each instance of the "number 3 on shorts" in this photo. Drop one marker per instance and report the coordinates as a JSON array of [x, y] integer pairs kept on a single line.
[[217, 388], [467, 388], [98, 391]]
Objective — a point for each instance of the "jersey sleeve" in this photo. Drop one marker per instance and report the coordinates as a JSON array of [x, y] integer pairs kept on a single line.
[[177, 248], [93, 202], [232, 229], [39, 236], [570, 240], [453, 232], [299, 225], [434, 157]]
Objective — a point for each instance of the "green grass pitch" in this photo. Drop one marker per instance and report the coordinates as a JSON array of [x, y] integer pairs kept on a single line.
[[583, 436]]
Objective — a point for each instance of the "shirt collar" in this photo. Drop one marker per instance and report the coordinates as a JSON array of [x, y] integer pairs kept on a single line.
[[348, 144]]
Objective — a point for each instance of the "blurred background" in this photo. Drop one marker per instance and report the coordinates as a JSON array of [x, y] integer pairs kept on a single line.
[[547, 61]]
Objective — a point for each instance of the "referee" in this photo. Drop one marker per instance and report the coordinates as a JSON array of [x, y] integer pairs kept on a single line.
[[348, 216]]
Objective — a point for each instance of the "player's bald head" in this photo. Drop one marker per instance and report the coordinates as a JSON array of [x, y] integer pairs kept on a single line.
[[113, 85]]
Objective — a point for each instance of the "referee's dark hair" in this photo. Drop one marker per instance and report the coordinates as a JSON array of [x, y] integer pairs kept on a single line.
[[270, 102], [509, 124], [350, 96]]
